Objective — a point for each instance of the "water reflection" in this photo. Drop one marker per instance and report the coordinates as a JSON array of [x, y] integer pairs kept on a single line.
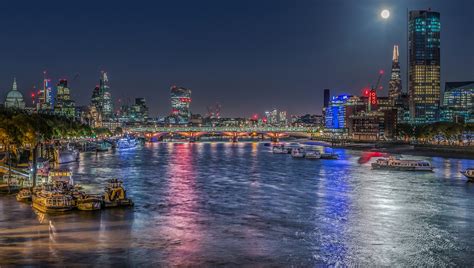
[[209, 204]]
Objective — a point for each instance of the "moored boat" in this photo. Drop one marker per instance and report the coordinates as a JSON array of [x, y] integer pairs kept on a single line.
[[393, 163], [89, 202], [50, 200], [312, 154], [468, 173], [66, 155], [298, 152], [126, 143], [329, 156], [115, 195], [280, 149], [24, 195]]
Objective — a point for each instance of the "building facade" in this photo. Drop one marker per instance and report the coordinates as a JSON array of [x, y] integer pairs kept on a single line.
[[458, 102], [424, 65], [180, 102], [335, 117], [63, 104]]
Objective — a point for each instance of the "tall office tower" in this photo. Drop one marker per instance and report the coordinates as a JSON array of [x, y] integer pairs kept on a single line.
[[424, 62], [180, 102], [395, 83], [45, 95], [102, 99], [63, 105], [326, 98]]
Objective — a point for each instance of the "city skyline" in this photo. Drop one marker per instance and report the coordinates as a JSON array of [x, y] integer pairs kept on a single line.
[[263, 76]]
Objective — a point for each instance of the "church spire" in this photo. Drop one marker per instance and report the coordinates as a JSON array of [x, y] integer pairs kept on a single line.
[[395, 53]]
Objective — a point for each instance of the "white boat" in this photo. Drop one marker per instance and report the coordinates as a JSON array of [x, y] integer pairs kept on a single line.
[[393, 163], [126, 143], [66, 155], [280, 149], [312, 154], [329, 156], [469, 173], [298, 152]]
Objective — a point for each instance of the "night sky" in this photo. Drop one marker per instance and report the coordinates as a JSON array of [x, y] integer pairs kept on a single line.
[[248, 55]]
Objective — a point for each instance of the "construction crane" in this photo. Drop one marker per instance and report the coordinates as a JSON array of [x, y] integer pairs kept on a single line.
[[373, 93]]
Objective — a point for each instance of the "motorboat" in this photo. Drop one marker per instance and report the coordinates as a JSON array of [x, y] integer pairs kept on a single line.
[[332, 156], [115, 194], [468, 173], [88, 202], [312, 154], [298, 152], [280, 149], [127, 143], [392, 163]]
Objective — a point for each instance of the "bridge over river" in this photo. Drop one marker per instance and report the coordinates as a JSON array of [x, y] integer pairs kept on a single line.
[[195, 132]]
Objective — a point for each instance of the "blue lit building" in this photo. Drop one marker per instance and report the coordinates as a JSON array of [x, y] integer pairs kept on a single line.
[[335, 116], [458, 102], [424, 86]]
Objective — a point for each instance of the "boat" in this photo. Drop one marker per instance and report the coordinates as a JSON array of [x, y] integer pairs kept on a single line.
[[393, 163], [312, 154], [280, 149], [468, 173], [66, 155], [329, 156], [298, 152], [50, 198], [24, 195], [88, 202], [115, 195], [127, 143]]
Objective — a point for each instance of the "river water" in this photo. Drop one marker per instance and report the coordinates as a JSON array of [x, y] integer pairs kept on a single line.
[[208, 204]]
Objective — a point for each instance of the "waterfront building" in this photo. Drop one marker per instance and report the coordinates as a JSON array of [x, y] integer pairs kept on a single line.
[[336, 112], [326, 98], [102, 99], [372, 125], [395, 83], [136, 113], [180, 102], [14, 98], [458, 102], [424, 65], [63, 104]]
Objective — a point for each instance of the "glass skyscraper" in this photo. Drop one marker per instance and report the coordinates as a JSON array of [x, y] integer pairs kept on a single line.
[[424, 65], [458, 102], [180, 101]]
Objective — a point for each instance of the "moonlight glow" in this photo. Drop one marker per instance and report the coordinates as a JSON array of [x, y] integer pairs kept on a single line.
[[385, 14]]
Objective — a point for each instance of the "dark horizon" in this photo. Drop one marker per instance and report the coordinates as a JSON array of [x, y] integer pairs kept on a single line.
[[248, 56]]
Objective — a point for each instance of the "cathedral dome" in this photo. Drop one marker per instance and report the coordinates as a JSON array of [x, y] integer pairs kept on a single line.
[[14, 98]]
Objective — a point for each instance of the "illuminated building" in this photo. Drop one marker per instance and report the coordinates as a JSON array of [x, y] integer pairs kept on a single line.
[[63, 105], [424, 62], [395, 83], [180, 102], [14, 98], [374, 125], [282, 118], [102, 99], [458, 102], [45, 96], [336, 112]]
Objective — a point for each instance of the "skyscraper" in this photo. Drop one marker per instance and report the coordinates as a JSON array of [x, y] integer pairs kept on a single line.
[[180, 102], [424, 62], [326, 98], [63, 105], [395, 83], [102, 99]]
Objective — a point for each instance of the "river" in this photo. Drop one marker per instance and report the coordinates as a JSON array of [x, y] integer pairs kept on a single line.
[[208, 204]]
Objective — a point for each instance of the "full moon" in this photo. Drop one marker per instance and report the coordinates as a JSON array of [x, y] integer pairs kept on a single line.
[[385, 14]]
